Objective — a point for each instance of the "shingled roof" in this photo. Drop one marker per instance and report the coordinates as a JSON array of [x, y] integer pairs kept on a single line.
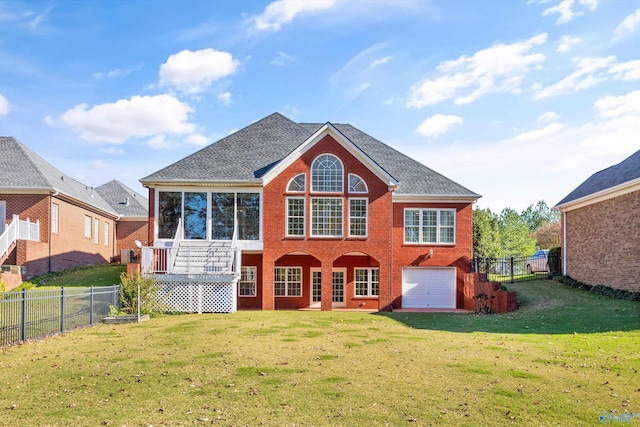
[[21, 169], [124, 200], [246, 155], [626, 171]]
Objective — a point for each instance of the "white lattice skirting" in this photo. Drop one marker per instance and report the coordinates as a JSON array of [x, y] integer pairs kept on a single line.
[[199, 297]]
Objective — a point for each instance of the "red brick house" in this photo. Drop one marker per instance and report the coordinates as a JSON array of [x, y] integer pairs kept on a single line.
[[312, 215], [601, 227], [76, 225]]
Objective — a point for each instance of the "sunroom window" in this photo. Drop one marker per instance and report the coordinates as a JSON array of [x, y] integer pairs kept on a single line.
[[326, 174]]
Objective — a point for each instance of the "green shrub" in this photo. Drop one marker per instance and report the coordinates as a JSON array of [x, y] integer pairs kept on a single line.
[[3, 286], [599, 289], [150, 301]]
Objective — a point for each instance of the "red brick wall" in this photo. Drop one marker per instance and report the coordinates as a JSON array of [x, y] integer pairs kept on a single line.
[[326, 251], [252, 260], [127, 232], [35, 207], [415, 255], [603, 243]]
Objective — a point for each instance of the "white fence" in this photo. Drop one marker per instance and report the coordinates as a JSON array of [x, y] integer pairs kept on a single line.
[[18, 230]]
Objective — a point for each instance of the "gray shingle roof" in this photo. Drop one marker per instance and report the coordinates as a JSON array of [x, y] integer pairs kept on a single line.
[[249, 153], [625, 171], [124, 200], [23, 169]]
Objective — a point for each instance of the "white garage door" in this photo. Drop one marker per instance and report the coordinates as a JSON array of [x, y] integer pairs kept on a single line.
[[428, 287]]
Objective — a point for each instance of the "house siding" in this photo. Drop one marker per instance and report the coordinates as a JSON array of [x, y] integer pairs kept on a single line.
[[603, 243], [456, 255]]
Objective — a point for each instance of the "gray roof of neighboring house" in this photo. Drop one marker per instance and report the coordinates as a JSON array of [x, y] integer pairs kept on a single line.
[[23, 169], [246, 155], [625, 171], [124, 200]]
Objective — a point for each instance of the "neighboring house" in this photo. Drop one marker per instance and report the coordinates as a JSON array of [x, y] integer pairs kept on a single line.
[[133, 215], [310, 215], [76, 225], [601, 227]]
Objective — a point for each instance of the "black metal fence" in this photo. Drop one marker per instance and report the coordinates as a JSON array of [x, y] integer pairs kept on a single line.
[[518, 268], [32, 314]]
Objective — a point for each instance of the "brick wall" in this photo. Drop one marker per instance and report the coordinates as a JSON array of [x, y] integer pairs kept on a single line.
[[414, 255], [127, 232], [603, 243], [33, 206]]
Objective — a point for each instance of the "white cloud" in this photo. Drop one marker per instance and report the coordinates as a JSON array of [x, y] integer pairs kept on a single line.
[[112, 150], [196, 139], [499, 68], [4, 105], [380, 61], [628, 26], [115, 73], [549, 116], [159, 142], [281, 59], [290, 111], [225, 98], [539, 133], [140, 116], [193, 71], [566, 42], [101, 164], [588, 73], [618, 106], [626, 70], [566, 9], [280, 12], [438, 124]]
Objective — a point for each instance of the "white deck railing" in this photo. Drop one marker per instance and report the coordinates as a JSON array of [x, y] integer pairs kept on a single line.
[[18, 230]]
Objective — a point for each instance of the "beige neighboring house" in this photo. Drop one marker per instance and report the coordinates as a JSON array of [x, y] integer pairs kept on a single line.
[[601, 227]]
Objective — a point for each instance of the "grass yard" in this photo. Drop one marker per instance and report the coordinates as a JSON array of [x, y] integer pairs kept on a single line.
[[563, 359], [89, 275]]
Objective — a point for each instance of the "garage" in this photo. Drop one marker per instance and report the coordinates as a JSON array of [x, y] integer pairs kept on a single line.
[[424, 287]]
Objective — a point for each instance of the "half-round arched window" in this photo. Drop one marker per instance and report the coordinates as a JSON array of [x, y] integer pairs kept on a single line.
[[357, 184], [298, 184], [326, 174]]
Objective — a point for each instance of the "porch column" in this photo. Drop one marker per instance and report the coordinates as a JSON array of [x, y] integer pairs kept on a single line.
[[385, 293], [326, 302], [268, 299]]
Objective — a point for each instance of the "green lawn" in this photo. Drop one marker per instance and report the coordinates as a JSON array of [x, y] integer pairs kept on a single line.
[[90, 275], [563, 359]]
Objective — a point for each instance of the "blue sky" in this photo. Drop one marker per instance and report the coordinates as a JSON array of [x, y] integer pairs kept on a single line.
[[519, 101]]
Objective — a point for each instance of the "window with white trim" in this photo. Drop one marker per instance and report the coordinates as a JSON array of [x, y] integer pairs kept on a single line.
[[247, 282], [358, 217], [106, 234], [357, 184], [326, 174], [298, 184], [435, 226], [87, 226], [366, 282], [287, 282], [54, 218], [96, 226], [326, 216], [295, 216]]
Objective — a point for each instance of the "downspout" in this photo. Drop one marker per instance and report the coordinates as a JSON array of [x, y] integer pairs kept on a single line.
[[391, 255], [564, 243], [55, 193]]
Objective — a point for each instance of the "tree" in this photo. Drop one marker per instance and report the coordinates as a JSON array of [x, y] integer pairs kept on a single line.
[[549, 235], [486, 234], [538, 215], [515, 234]]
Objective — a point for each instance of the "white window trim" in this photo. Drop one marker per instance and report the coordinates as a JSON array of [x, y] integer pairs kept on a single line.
[[298, 191], [420, 236], [304, 217], [106, 234], [55, 216], [254, 271], [327, 236], [369, 282], [96, 231], [366, 217], [87, 226], [341, 191], [366, 187], [286, 284]]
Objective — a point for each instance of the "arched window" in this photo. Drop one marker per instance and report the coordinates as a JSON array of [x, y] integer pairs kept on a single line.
[[357, 184], [298, 184], [326, 174]]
